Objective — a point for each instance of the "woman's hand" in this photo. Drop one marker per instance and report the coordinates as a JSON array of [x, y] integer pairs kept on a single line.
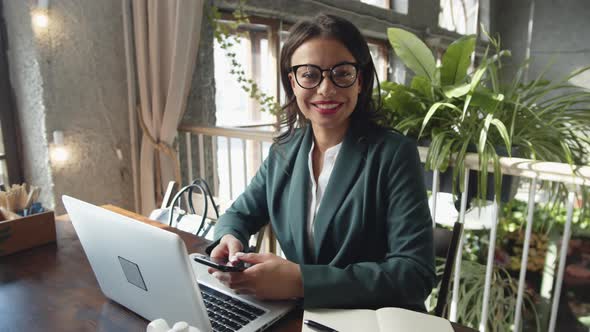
[[269, 278], [227, 248]]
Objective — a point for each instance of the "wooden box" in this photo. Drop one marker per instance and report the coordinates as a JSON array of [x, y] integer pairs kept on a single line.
[[27, 232]]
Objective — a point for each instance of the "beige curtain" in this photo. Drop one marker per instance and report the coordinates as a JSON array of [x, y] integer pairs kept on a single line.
[[166, 35]]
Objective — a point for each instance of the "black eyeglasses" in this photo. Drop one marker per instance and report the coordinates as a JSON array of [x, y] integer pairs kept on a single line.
[[343, 75]]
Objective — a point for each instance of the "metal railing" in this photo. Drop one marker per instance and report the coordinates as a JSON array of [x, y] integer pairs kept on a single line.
[[535, 171]]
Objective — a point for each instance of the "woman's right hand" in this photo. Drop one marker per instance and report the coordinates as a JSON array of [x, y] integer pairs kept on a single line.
[[227, 248]]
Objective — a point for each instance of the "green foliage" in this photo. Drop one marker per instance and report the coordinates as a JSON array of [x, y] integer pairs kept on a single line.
[[457, 110], [473, 245], [546, 218], [502, 302], [227, 35]]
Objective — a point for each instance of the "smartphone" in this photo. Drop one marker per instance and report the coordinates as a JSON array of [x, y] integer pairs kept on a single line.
[[220, 264]]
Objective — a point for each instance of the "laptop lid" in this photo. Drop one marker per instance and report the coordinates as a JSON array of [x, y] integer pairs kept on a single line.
[[139, 266], [148, 270]]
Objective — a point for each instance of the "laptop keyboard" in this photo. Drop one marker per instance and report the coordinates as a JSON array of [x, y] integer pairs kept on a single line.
[[227, 313]]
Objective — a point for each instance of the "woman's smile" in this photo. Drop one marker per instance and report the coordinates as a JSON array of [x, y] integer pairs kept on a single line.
[[327, 107]]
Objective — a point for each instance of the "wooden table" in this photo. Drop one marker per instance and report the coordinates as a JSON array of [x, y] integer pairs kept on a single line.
[[53, 288]]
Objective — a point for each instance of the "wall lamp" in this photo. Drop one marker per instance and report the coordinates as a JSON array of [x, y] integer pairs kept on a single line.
[[40, 14], [59, 152]]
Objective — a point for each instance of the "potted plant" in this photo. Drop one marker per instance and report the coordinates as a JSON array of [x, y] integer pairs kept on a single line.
[[503, 292], [461, 110]]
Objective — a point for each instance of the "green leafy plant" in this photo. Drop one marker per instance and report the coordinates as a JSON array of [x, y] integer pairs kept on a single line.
[[547, 218], [459, 110], [502, 302]]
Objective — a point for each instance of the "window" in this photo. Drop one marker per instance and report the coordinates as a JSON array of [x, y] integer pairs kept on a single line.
[[400, 6], [383, 58], [380, 55], [257, 54], [377, 3], [233, 105], [460, 16], [398, 71]]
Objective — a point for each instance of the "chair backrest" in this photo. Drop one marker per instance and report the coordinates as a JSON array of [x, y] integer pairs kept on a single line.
[[222, 205], [192, 222], [446, 244], [264, 237]]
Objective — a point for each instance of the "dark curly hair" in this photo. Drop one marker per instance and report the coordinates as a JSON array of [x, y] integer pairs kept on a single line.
[[366, 113]]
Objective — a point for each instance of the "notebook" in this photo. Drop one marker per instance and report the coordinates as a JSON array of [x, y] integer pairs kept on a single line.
[[148, 270], [380, 320]]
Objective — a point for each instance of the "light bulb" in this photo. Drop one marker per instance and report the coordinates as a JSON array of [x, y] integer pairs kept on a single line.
[[40, 19], [59, 154]]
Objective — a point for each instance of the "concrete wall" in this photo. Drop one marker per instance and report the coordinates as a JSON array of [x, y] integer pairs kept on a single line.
[[71, 77], [560, 35]]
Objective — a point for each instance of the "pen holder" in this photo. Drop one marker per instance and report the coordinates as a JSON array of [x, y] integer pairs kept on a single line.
[[27, 232]]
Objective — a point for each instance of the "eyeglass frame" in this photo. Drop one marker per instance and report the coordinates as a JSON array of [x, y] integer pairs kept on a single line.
[[329, 70]]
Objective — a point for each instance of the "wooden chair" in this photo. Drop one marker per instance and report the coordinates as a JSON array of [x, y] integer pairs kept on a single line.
[[446, 244]]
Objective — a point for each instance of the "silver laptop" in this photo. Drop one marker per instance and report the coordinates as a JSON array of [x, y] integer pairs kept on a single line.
[[148, 270]]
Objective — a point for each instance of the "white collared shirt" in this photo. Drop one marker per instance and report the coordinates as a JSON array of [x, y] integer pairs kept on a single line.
[[314, 197]]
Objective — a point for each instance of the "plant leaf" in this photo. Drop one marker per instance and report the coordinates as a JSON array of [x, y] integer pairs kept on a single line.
[[466, 106], [431, 112], [478, 75], [504, 133], [456, 60], [483, 136], [413, 52], [486, 99], [456, 91], [423, 85]]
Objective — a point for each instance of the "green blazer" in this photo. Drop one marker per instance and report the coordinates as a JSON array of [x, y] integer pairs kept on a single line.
[[373, 243]]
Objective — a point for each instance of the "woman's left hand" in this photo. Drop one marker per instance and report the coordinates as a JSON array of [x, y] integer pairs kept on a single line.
[[269, 278]]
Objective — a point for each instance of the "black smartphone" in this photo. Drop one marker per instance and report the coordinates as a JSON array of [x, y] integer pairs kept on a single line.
[[220, 264]]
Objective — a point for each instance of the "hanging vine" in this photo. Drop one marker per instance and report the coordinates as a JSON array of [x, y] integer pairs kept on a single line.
[[226, 33]]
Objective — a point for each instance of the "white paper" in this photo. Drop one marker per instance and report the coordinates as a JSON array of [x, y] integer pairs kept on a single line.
[[384, 319], [396, 319], [342, 320]]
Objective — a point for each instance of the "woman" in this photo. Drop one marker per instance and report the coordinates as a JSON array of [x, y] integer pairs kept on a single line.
[[345, 197]]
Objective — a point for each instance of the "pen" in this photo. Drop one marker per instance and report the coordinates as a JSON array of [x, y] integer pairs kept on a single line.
[[317, 326]]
